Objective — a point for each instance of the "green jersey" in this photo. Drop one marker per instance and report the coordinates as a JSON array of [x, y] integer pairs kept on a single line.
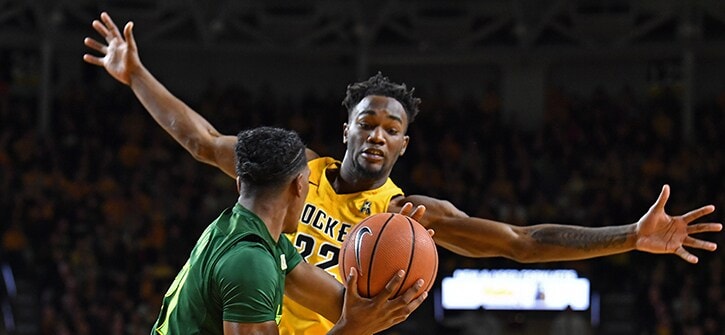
[[235, 273]]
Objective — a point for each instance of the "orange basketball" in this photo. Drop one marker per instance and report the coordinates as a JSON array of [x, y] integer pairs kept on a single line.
[[384, 243]]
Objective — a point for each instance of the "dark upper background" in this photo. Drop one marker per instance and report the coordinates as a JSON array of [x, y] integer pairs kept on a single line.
[[533, 111]]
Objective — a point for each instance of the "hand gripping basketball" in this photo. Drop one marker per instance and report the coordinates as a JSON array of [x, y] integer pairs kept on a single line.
[[383, 244]]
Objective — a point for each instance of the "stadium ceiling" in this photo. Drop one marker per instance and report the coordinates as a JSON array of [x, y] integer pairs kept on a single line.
[[392, 30]]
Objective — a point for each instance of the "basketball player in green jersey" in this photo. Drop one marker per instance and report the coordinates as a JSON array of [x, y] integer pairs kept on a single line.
[[341, 193], [241, 266]]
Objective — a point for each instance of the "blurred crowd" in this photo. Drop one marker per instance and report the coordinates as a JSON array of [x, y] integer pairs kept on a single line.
[[102, 209]]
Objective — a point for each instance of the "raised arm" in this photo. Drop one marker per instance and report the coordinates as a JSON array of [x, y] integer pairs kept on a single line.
[[656, 232], [121, 60]]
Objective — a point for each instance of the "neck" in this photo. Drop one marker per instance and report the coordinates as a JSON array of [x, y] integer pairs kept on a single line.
[[346, 180], [271, 211]]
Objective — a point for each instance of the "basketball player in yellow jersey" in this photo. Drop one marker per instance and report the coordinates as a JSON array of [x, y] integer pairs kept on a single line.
[[325, 221], [379, 113]]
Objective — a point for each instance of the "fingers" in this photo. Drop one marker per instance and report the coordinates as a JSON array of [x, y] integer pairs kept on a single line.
[[413, 305], [690, 258], [418, 213], [414, 213], [698, 213], [414, 291], [410, 308], [406, 209], [100, 28], [399, 308], [431, 232], [704, 228], [699, 244], [111, 26], [351, 283], [92, 60], [662, 199], [95, 45], [351, 290], [392, 286], [412, 298]]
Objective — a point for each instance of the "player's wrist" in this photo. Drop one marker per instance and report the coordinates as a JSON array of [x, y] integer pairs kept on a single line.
[[356, 325], [343, 326], [138, 74]]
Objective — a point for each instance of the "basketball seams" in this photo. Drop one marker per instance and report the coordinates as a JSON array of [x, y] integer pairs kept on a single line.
[[342, 266], [435, 271], [372, 253], [386, 252], [433, 274], [412, 254]]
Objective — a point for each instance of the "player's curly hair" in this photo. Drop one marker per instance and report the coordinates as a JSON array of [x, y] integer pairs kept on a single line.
[[268, 157], [381, 85]]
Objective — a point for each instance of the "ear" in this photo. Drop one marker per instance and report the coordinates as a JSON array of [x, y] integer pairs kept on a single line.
[[344, 132], [239, 185], [406, 140], [298, 184]]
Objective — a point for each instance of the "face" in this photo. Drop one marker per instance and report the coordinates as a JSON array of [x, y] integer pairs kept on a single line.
[[302, 187], [375, 136]]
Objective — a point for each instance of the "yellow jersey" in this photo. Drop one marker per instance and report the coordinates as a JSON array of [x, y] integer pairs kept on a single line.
[[326, 219]]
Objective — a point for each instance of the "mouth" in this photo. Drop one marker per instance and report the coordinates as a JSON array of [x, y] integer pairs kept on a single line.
[[373, 154]]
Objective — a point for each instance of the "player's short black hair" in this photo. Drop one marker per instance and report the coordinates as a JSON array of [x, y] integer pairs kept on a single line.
[[381, 85], [268, 157]]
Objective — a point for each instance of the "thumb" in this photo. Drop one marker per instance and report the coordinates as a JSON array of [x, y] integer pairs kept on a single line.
[[351, 283], [662, 199], [128, 35]]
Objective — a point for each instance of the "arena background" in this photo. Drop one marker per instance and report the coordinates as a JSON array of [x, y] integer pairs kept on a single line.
[[533, 111]]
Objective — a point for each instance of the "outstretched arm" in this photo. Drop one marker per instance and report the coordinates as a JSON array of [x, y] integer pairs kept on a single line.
[[119, 56], [656, 232]]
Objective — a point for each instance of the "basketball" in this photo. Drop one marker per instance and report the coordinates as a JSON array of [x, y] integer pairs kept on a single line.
[[384, 243]]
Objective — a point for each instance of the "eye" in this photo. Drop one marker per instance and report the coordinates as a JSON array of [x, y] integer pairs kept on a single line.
[[393, 131], [364, 126]]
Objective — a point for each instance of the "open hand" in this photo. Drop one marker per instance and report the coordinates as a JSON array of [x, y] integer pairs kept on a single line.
[[119, 53], [660, 233]]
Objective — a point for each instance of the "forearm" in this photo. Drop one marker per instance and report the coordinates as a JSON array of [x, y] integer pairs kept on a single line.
[[185, 125], [315, 289], [359, 326], [343, 328], [329, 306], [475, 237], [552, 242]]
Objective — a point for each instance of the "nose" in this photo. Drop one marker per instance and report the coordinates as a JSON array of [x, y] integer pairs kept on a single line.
[[376, 136]]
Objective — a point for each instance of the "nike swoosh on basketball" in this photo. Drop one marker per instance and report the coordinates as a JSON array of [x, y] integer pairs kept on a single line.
[[358, 243]]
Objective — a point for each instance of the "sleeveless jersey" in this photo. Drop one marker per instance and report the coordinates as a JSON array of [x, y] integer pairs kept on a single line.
[[236, 273], [326, 219]]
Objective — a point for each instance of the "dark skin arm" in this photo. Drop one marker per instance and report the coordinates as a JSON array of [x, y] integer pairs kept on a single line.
[[120, 58], [305, 284], [262, 328], [316, 289], [656, 232]]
